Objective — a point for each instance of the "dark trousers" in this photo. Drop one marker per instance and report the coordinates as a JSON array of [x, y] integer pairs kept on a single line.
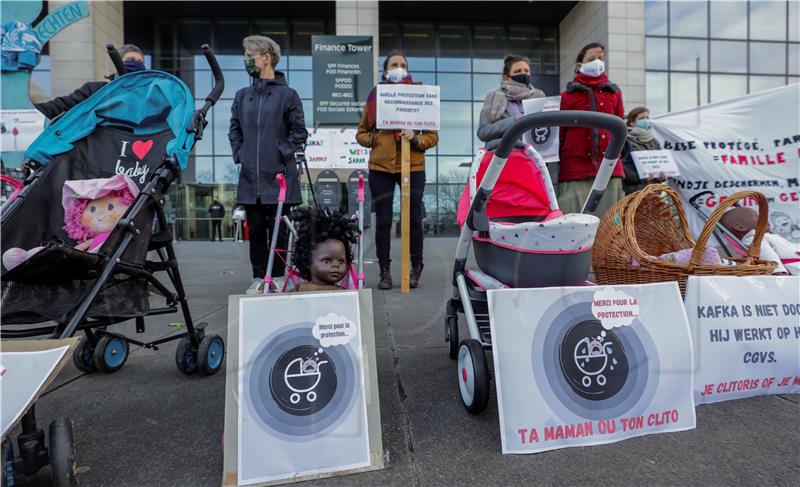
[[216, 229], [381, 186], [261, 220]]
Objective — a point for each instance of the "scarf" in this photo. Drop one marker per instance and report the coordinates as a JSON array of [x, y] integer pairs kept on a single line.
[[640, 136], [372, 101], [510, 90]]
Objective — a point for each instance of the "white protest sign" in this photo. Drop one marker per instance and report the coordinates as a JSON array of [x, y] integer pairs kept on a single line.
[[747, 143], [414, 107], [746, 334], [579, 366], [654, 163], [18, 128], [300, 406], [543, 139], [332, 148], [319, 149]]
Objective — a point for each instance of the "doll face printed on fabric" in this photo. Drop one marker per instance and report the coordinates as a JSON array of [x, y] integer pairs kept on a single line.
[[328, 262], [101, 215]]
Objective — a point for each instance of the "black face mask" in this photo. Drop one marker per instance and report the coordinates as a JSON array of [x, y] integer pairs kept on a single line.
[[132, 65], [525, 79]]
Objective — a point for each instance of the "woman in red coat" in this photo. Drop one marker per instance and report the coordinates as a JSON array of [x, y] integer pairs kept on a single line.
[[582, 149]]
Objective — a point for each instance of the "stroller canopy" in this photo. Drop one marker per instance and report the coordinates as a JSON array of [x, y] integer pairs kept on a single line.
[[145, 102]]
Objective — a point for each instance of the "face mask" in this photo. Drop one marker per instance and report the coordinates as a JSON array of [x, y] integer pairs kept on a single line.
[[251, 68], [396, 75], [133, 65], [594, 68], [644, 123], [525, 79]]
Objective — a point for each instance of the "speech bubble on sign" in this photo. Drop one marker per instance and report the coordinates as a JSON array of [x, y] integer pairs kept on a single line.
[[614, 308], [333, 329]]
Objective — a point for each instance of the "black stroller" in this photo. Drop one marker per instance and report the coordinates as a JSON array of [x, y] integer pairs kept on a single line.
[[143, 125]]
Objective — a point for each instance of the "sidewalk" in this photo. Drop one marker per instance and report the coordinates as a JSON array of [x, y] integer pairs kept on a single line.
[[148, 424]]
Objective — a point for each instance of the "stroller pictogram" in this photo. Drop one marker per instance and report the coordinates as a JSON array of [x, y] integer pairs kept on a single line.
[[301, 377], [591, 358]]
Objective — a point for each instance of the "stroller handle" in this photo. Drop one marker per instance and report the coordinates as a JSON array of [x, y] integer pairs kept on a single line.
[[116, 59], [282, 185], [360, 188], [219, 80], [572, 118]]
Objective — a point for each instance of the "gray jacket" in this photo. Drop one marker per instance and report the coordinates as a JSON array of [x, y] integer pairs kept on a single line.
[[267, 128], [488, 131]]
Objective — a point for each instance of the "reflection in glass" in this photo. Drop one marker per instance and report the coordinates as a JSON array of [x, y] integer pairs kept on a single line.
[[657, 87], [455, 136], [418, 40], [420, 63], [221, 125], [729, 56], [767, 58], [688, 19], [729, 19], [656, 53], [683, 91], [767, 20], [454, 48], [235, 80], [794, 59], [761, 83], [454, 169], [454, 86], [225, 171], [488, 65], [483, 84], [300, 62], [724, 87], [453, 64], [424, 78], [476, 118], [205, 147], [203, 170], [302, 83], [684, 52], [794, 21], [489, 41], [655, 18]]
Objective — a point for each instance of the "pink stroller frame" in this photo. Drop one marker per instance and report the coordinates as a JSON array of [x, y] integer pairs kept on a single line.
[[354, 279]]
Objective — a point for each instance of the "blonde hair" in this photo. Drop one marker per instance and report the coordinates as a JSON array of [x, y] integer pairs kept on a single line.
[[263, 45]]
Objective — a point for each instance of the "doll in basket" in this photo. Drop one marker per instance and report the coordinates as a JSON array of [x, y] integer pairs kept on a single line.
[[741, 222], [323, 251], [92, 208]]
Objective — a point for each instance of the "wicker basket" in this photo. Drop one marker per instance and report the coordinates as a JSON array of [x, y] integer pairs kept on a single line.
[[643, 225]]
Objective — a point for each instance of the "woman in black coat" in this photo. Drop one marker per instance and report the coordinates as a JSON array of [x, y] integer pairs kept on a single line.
[[640, 137], [267, 128]]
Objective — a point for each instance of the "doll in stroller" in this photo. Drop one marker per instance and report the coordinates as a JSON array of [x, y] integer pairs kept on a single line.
[[510, 215], [137, 132]]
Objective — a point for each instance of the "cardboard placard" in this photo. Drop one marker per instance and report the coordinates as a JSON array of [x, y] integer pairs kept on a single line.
[[654, 163], [746, 336], [414, 107], [590, 365], [301, 395]]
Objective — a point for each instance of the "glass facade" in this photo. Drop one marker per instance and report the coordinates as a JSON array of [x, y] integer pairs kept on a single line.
[[706, 51]]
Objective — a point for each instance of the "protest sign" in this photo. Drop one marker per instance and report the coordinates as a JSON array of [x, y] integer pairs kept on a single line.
[[746, 336], [543, 139], [302, 398], [581, 366], [343, 75], [26, 368], [328, 148], [18, 128], [654, 163], [751, 142], [413, 107]]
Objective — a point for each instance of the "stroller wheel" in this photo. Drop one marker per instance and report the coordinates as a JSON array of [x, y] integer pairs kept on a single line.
[[451, 335], [473, 376], [211, 354], [186, 356], [63, 469], [110, 354], [83, 356]]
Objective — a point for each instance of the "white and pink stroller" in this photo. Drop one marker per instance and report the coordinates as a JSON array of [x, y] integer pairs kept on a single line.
[[354, 278], [509, 213]]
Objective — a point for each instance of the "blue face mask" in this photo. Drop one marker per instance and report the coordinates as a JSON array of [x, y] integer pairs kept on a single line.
[[644, 123], [133, 65]]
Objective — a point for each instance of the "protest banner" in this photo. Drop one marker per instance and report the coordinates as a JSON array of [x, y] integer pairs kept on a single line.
[[343, 75], [746, 336], [27, 367], [18, 128], [302, 394], [751, 142], [414, 107], [654, 163], [590, 365], [543, 139]]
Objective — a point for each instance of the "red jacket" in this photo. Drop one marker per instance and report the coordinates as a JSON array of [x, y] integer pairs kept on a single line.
[[582, 149]]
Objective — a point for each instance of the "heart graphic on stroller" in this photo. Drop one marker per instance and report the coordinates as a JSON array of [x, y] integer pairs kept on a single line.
[[141, 147]]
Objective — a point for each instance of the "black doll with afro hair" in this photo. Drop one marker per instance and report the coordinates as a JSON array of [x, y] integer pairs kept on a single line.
[[315, 226]]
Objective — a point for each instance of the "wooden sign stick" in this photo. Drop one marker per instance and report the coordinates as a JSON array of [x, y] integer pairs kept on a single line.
[[405, 212]]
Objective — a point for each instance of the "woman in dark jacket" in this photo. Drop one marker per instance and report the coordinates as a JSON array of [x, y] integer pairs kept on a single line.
[[582, 149], [267, 128], [640, 137], [384, 172]]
